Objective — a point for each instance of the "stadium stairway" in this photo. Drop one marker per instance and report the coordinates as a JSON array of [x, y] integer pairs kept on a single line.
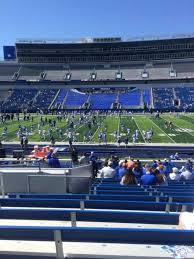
[[141, 216]]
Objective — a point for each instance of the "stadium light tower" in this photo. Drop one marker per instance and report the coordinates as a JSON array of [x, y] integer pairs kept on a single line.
[[145, 73], [15, 76], [67, 76], [42, 75], [119, 75], [172, 71], [93, 75]]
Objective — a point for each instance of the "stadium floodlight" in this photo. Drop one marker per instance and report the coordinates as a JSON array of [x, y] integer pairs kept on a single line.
[[119, 75], [42, 75], [93, 76], [68, 76], [172, 71], [16, 75], [145, 73]]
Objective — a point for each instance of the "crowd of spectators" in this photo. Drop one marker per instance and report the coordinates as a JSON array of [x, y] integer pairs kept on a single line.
[[157, 172], [19, 99], [47, 154]]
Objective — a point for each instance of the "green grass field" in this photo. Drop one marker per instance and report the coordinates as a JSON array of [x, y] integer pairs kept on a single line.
[[182, 130]]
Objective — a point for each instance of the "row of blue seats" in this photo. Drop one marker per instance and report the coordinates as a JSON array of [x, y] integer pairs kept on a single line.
[[91, 216], [97, 204], [170, 182], [98, 235], [128, 192], [133, 188], [178, 185], [145, 197]]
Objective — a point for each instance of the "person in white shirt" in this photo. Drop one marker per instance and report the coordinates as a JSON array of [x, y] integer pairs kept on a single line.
[[186, 174], [107, 171], [175, 176]]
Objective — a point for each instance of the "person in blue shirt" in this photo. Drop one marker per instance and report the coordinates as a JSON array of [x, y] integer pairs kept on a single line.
[[53, 161], [122, 170], [148, 179], [155, 164], [168, 164], [137, 169], [49, 155]]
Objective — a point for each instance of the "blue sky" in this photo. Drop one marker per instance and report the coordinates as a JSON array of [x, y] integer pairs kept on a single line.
[[72, 19]]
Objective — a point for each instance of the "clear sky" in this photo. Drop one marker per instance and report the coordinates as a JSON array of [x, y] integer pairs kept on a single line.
[[72, 19]]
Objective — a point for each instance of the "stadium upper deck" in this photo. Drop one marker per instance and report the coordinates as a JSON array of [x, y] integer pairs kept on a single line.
[[106, 50], [99, 61]]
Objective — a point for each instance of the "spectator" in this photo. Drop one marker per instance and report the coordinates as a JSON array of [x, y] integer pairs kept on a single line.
[[22, 142], [84, 159], [160, 178], [93, 160], [189, 165], [175, 157], [161, 168], [148, 179], [147, 168], [185, 174], [175, 176], [50, 152], [53, 162], [107, 171], [129, 162], [115, 161], [121, 170], [74, 156], [155, 164], [128, 178], [167, 163], [137, 170]]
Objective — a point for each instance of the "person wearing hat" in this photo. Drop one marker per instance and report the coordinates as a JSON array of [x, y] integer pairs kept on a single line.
[[174, 175], [35, 152]]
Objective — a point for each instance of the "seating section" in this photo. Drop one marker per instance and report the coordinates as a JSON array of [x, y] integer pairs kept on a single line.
[[75, 99], [44, 98], [186, 96], [20, 99], [102, 100], [60, 98], [109, 202], [163, 98], [131, 98]]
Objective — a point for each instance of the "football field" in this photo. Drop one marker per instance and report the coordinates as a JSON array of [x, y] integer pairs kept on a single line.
[[181, 131]]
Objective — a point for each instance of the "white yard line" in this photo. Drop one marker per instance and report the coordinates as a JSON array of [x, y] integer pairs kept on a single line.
[[75, 131], [162, 131], [118, 130], [139, 129], [95, 132], [179, 127]]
